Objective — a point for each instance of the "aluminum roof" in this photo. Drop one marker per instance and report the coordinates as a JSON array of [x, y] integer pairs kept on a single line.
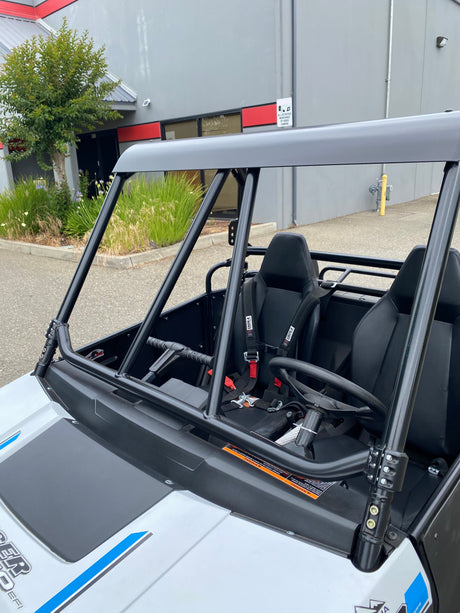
[[423, 138], [15, 30]]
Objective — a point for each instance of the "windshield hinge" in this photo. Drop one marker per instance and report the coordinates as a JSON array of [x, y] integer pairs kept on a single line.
[[48, 349], [386, 468]]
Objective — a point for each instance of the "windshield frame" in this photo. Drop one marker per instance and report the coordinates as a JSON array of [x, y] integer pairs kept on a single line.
[[416, 139]]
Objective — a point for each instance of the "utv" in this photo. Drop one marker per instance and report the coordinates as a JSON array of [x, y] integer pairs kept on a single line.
[[288, 441]]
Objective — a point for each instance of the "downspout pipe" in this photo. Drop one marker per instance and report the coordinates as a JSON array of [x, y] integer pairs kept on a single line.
[[294, 104], [389, 60]]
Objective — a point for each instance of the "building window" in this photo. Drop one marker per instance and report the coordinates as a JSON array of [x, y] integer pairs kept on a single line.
[[230, 123]]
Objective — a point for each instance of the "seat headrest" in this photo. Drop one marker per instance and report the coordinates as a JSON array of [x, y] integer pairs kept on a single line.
[[403, 288], [287, 264]]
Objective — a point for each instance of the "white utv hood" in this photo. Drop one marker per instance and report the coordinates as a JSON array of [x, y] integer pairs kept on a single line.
[[81, 529]]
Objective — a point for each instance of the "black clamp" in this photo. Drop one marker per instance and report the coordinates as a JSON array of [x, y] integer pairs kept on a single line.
[[50, 335], [387, 468], [49, 348]]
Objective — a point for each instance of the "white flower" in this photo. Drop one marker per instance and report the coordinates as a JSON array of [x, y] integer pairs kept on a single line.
[[26, 212], [23, 225]]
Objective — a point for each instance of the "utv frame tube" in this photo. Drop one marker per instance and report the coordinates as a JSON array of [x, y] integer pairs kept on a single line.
[[331, 471], [232, 293], [176, 268], [81, 272], [389, 457]]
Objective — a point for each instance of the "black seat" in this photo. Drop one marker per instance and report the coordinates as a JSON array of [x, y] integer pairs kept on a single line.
[[287, 279], [378, 342], [377, 348]]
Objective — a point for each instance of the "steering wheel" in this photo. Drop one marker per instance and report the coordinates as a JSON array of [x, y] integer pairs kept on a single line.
[[172, 351], [318, 404]]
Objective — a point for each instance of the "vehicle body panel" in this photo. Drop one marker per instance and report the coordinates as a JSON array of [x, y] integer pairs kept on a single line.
[[168, 555]]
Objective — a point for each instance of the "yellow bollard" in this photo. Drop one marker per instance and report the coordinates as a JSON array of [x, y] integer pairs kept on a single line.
[[383, 194]]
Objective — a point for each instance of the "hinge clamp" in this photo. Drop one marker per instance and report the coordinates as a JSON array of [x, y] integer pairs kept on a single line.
[[386, 468]]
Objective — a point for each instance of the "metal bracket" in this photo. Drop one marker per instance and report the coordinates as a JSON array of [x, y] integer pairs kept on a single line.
[[387, 468], [232, 228], [50, 335], [48, 349], [251, 356]]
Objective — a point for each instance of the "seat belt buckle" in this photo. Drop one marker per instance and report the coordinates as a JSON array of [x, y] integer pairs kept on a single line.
[[252, 358], [228, 383]]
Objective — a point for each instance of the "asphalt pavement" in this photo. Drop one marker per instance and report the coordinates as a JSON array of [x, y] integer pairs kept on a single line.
[[34, 287]]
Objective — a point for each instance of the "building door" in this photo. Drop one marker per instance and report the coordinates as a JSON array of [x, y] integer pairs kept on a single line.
[[97, 154]]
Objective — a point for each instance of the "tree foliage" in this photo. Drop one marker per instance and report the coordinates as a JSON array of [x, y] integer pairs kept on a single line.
[[51, 88]]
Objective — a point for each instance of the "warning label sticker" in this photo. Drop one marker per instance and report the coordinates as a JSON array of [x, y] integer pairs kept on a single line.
[[310, 487]]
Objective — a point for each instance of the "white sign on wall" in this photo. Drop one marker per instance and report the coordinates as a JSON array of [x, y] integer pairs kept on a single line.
[[284, 112]]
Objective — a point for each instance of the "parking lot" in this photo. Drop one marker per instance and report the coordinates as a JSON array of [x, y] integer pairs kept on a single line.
[[33, 287]]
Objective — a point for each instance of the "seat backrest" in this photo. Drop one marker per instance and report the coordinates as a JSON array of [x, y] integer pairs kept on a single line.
[[287, 275], [378, 345]]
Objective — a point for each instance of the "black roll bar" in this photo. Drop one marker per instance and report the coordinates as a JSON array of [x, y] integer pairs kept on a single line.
[[174, 272], [388, 462], [81, 272], [233, 291], [210, 420], [328, 471]]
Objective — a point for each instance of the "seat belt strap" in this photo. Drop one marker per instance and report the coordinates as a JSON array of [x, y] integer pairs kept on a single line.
[[309, 302], [251, 355], [319, 296]]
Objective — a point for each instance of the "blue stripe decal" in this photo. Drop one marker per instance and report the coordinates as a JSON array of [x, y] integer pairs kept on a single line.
[[417, 595], [78, 584], [9, 440]]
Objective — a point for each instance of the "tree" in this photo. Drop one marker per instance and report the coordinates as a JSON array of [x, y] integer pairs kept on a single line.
[[50, 89]]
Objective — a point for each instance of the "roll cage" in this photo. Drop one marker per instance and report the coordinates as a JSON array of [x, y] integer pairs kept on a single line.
[[431, 138]]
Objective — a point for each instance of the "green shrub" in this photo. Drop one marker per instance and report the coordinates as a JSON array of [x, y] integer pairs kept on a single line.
[[84, 211], [60, 201], [82, 217], [148, 214], [26, 210]]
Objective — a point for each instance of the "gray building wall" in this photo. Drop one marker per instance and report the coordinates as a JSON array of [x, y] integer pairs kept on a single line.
[[341, 58], [212, 56], [189, 58]]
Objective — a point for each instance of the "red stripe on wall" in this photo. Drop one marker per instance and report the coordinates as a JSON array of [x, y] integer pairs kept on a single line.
[[259, 115], [51, 6], [16, 9], [144, 131]]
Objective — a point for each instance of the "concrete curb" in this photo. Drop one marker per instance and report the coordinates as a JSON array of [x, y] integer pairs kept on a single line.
[[125, 261]]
